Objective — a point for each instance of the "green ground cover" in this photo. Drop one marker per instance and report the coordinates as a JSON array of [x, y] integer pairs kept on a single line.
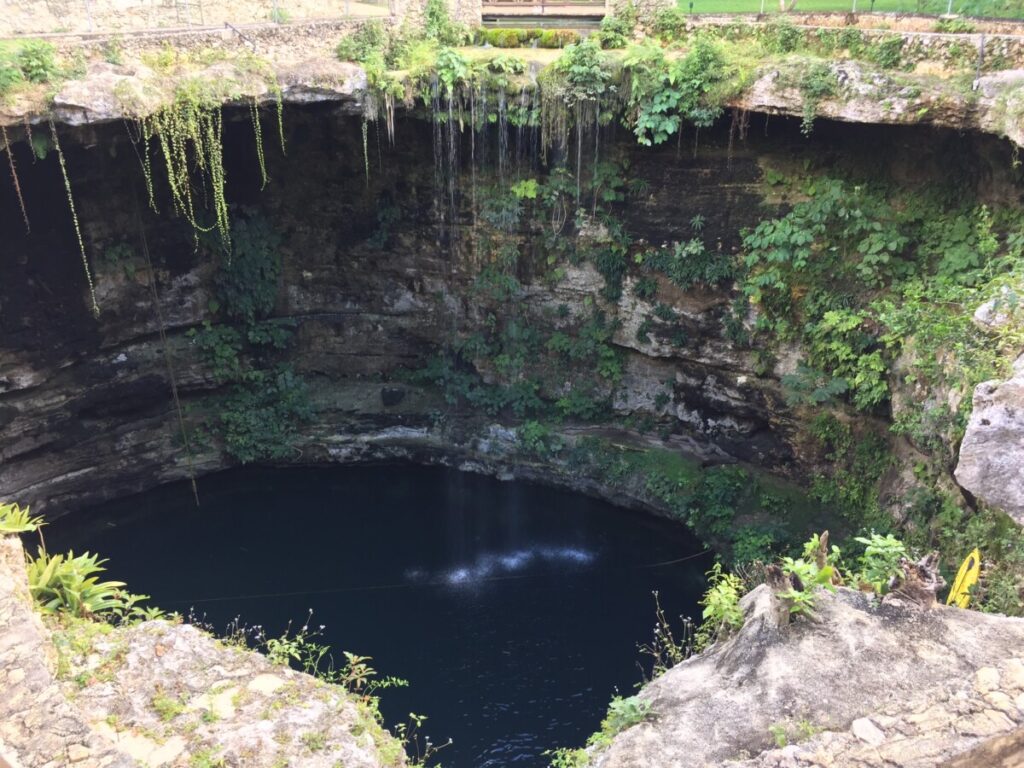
[[1011, 9]]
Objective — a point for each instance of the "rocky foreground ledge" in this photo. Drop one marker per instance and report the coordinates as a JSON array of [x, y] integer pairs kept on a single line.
[[860, 684], [89, 695]]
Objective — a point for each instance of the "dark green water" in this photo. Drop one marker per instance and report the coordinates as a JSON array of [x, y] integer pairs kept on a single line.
[[513, 609]]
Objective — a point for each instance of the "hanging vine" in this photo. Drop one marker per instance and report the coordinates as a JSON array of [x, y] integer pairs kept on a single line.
[[28, 134], [14, 177], [257, 130], [366, 150], [279, 98], [74, 219], [189, 123]]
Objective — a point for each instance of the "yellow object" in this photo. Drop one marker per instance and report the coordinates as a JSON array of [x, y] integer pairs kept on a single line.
[[966, 577]]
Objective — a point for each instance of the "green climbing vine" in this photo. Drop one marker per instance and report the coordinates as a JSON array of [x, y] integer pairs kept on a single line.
[[74, 219], [189, 121], [257, 131], [279, 100], [14, 177]]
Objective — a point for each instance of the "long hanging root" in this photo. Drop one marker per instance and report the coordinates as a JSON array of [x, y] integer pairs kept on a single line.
[[143, 135], [28, 135], [74, 219], [366, 153], [168, 360], [14, 177]]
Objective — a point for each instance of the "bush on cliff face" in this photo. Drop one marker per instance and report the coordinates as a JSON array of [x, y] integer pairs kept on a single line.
[[16, 519], [855, 277], [266, 401], [662, 93]]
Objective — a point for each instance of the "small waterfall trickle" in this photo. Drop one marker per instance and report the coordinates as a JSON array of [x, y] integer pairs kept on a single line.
[[438, 147], [452, 169], [502, 137]]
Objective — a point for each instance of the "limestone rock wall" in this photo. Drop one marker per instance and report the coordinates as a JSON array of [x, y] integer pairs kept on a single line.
[[858, 684], [991, 463], [374, 285]]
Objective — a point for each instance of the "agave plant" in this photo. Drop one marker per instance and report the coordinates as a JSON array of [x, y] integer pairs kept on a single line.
[[14, 519], [65, 583]]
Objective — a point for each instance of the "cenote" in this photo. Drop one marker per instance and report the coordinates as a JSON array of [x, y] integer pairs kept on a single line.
[[514, 610]]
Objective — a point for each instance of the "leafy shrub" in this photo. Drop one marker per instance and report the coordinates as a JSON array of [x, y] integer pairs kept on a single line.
[[10, 75], [646, 288], [690, 263], [68, 584], [956, 26], [452, 69], [624, 713], [753, 545], [507, 38], [15, 519], [722, 615], [506, 65], [714, 508], [558, 38], [887, 51], [781, 36], [439, 26], [538, 440], [246, 282], [368, 39], [615, 32], [810, 577], [881, 560], [259, 419], [662, 94], [36, 61], [670, 24], [817, 82]]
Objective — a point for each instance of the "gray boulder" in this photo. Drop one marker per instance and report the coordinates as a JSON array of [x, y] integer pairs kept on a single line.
[[991, 464], [861, 683]]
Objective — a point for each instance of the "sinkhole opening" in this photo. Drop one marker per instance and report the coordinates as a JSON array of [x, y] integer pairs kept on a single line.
[[514, 610]]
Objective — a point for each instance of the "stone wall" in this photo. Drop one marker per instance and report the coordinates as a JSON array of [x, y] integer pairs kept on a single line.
[[987, 52], [646, 10]]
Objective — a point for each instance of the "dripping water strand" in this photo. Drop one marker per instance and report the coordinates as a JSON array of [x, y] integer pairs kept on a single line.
[[502, 138]]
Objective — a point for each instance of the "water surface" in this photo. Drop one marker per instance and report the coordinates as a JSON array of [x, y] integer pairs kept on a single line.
[[513, 609]]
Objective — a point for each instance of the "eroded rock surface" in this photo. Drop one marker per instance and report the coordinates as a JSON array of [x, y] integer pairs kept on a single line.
[[887, 684], [991, 462], [162, 694]]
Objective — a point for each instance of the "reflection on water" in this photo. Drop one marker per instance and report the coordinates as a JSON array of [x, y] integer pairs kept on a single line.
[[489, 566], [514, 610]]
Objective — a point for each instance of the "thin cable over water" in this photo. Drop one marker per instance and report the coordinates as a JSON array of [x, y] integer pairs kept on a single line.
[[405, 584]]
